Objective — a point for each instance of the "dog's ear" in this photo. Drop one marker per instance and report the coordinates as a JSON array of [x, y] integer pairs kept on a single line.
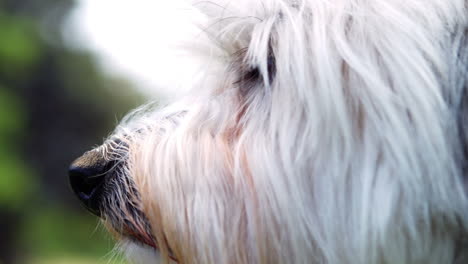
[[246, 33]]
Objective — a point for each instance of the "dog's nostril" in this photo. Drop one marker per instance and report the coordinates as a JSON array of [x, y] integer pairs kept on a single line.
[[88, 183]]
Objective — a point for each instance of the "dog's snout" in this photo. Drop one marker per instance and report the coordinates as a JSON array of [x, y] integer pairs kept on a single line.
[[87, 179]]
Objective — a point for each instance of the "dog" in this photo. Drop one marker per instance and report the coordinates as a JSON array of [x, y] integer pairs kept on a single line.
[[328, 132]]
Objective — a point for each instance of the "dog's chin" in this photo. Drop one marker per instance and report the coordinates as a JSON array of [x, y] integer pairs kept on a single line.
[[138, 237], [140, 253]]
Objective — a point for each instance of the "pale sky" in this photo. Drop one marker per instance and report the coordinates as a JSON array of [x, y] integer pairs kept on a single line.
[[136, 39]]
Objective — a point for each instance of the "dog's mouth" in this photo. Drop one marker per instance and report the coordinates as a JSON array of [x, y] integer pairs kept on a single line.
[[100, 180], [129, 222], [134, 227]]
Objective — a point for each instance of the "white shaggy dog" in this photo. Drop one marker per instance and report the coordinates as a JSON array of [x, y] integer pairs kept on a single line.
[[323, 131]]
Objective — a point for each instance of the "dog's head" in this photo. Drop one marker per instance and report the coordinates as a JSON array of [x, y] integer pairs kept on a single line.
[[321, 133]]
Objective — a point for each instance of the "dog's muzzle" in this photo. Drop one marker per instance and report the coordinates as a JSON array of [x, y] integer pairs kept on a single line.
[[88, 178], [95, 181]]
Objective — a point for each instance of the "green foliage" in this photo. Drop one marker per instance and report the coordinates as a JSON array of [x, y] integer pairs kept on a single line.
[[16, 183], [82, 78], [54, 102], [57, 232], [74, 260], [12, 116], [20, 47]]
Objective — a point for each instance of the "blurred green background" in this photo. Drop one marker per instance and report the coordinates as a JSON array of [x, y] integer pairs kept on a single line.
[[55, 104]]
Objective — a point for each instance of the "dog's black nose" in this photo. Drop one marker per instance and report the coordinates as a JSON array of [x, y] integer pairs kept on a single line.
[[87, 179]]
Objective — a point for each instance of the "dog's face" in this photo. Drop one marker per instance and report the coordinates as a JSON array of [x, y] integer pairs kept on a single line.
[[116, 182], [321, 133]]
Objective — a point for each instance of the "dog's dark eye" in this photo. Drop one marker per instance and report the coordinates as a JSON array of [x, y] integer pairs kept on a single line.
[[249, 76]]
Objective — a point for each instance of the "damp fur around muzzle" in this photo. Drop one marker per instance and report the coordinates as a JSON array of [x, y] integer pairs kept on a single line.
[[325, 132]]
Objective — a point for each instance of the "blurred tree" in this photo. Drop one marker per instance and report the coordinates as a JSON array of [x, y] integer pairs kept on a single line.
[[17, 51], [54, 105], [14, 180]]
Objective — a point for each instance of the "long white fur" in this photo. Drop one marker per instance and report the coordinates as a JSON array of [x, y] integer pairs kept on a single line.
[[349, 154]]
